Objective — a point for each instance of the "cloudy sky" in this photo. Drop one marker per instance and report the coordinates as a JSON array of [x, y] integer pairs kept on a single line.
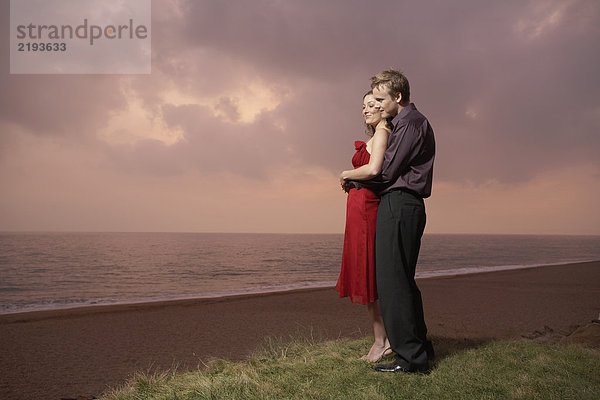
[[252, 109]]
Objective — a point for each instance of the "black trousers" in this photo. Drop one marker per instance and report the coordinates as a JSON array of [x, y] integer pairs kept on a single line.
[[400, 225]]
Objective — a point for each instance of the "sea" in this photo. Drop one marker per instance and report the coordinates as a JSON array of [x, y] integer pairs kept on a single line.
[[47, 271]]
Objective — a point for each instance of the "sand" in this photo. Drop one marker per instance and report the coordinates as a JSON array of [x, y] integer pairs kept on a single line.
[[83, 352]]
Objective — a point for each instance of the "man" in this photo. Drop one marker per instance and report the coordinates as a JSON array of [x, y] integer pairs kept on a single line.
[[404, 182]]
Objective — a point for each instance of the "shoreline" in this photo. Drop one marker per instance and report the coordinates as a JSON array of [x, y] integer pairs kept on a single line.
[[159, 300], [86, 351]]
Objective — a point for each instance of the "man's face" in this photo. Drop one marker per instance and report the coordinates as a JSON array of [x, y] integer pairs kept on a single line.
[[388, 105]]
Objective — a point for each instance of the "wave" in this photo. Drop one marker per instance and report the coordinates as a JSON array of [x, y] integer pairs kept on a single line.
[[79, 303], [478, 270]]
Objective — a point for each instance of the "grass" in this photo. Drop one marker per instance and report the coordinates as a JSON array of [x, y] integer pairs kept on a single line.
[[303, 369]]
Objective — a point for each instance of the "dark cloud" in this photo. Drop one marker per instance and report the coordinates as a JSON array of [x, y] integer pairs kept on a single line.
[[496, 92], [508, 86], [533, 95], [72, 106]]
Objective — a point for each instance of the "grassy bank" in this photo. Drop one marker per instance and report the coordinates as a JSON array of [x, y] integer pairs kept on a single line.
[[331, 370]]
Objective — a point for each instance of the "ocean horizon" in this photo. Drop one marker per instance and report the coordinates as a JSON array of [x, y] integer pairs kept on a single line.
[[58, 270]]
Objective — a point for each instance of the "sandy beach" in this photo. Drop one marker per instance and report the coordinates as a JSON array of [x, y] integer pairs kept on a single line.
[[82, 352]]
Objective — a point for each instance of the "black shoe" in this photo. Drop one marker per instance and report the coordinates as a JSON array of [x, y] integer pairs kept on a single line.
[[429, 350], [396, 367]]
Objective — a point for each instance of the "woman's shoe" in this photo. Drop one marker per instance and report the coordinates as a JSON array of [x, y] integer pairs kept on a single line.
[[385, 352]]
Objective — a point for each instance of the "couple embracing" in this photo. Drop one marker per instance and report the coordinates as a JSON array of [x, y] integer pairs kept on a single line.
[[385, 219]]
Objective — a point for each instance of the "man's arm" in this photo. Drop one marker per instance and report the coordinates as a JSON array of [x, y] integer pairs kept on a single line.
[[404, 146]]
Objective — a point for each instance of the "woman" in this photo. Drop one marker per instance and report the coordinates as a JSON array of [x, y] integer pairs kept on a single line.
[[357, 275]]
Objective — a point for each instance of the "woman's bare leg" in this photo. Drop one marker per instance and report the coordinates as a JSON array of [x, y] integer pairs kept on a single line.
[[381, 343]]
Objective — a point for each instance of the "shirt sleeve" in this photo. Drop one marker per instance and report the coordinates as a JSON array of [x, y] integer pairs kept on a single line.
[[403, 147]]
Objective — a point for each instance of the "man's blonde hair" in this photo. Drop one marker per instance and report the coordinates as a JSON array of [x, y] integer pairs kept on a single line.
[[394, 82]]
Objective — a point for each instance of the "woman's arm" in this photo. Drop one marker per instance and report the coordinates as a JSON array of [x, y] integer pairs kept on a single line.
[[373, 168]]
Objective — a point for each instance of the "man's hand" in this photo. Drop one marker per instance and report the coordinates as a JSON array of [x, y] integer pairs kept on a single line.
[[344, 183]]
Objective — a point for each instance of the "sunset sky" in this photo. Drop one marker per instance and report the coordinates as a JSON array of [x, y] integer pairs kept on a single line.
[[252, 109]]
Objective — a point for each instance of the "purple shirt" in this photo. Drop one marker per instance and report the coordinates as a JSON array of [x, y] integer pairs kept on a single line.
[[408, 160]]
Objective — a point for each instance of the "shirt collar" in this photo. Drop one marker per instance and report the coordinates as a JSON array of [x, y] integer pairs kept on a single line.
[[396, 120]]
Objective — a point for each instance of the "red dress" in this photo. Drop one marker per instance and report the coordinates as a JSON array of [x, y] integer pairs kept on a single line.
[[357, 276]]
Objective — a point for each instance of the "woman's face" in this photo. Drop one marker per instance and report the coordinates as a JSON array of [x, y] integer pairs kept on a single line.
[[371, 114]]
